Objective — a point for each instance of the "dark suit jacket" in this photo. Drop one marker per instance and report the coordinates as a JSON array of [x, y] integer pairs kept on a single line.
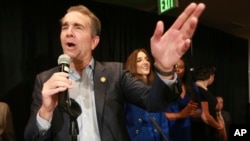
[[109, 96]]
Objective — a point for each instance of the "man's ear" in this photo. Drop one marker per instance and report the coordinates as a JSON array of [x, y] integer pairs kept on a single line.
[[95, 42]]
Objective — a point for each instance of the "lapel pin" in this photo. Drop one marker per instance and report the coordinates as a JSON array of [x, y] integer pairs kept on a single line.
[[103, 79]]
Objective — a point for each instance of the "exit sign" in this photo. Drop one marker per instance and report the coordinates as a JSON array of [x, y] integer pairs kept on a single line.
[[165, 5]]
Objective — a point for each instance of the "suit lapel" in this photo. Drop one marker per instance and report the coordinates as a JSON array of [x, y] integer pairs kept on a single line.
[[100, 86]]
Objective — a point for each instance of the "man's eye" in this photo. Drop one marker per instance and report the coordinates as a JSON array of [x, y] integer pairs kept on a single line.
[[64, 27], [78, 27]]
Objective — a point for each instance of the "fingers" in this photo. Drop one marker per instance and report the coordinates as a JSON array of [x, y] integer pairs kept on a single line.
[[192, 10], [199, 9], [57, 83], [184, 16], [159, 30], [188, 19], [172, 44], [189, 26]]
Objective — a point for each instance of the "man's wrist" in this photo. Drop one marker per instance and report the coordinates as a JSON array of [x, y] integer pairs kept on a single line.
[[44, 114], [164, 73]]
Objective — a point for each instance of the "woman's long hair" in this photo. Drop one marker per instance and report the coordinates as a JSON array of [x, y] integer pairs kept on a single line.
[[130, 65]]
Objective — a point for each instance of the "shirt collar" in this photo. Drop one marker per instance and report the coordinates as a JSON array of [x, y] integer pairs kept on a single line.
[[73, 74]]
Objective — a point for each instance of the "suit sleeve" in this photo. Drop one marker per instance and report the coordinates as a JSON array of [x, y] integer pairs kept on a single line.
[[32, 132], [155, 98]]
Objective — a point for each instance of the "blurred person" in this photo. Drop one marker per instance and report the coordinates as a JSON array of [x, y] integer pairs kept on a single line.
[[226, 117], [98, 90], [210, 128], [139, 125], [6, 124], [180, 112]]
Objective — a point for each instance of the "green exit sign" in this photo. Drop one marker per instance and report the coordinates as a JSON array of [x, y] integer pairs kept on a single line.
[[165, 5]]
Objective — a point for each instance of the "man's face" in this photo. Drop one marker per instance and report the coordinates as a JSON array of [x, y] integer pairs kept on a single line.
[[76, 36], [143, 64]]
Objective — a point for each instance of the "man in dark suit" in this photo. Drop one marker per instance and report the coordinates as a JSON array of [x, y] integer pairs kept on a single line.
[[225, 115], [97, 90]]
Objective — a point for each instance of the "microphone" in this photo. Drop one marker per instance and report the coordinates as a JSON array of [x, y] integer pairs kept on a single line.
[[158, 128], [64, 60], [69, 105], [63, 98]]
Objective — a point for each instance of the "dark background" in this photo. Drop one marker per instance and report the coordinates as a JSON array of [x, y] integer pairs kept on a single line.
[[29, 44]]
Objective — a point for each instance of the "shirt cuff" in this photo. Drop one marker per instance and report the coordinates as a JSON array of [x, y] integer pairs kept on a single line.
[[43, 125], [169, 82]]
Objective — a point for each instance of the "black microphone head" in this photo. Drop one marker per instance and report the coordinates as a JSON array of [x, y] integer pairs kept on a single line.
[[64, 59]]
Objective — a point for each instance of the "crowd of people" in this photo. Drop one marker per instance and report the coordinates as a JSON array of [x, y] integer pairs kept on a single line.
[[101, 88], [149, 99]]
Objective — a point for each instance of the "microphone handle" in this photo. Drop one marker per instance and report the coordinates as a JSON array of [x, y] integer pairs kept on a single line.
[[158, 128], [63, 98]]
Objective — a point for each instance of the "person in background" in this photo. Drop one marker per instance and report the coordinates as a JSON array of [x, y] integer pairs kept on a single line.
[[97, 90], [226, 117], [6, 124], [210, 128], [139, 125], [180, 112]]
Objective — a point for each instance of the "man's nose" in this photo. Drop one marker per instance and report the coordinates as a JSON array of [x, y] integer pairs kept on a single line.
[[69, 32]]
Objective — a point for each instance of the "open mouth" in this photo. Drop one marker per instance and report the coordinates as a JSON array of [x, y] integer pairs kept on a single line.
[[71, 45]]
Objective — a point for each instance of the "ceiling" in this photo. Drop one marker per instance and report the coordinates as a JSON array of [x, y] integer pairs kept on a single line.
[[230, 16]]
